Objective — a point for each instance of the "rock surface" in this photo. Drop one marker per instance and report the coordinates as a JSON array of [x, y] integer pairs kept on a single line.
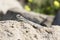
[[14, 30], [18, 24]]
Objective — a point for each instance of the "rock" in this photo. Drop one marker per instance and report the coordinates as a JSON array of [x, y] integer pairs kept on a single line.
[[25, 27], [14, 30], [10, 8], [48, 21]]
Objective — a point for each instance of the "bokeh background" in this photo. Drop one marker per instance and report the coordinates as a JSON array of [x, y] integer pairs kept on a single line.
[[48, 7]]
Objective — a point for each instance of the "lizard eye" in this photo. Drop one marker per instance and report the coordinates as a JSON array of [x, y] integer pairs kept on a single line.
[[17, 15]]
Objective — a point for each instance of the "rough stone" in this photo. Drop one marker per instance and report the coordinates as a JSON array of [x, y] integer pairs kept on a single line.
[[14, 30]]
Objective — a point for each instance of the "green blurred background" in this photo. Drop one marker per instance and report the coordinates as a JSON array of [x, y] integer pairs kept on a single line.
[[47, 7]]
